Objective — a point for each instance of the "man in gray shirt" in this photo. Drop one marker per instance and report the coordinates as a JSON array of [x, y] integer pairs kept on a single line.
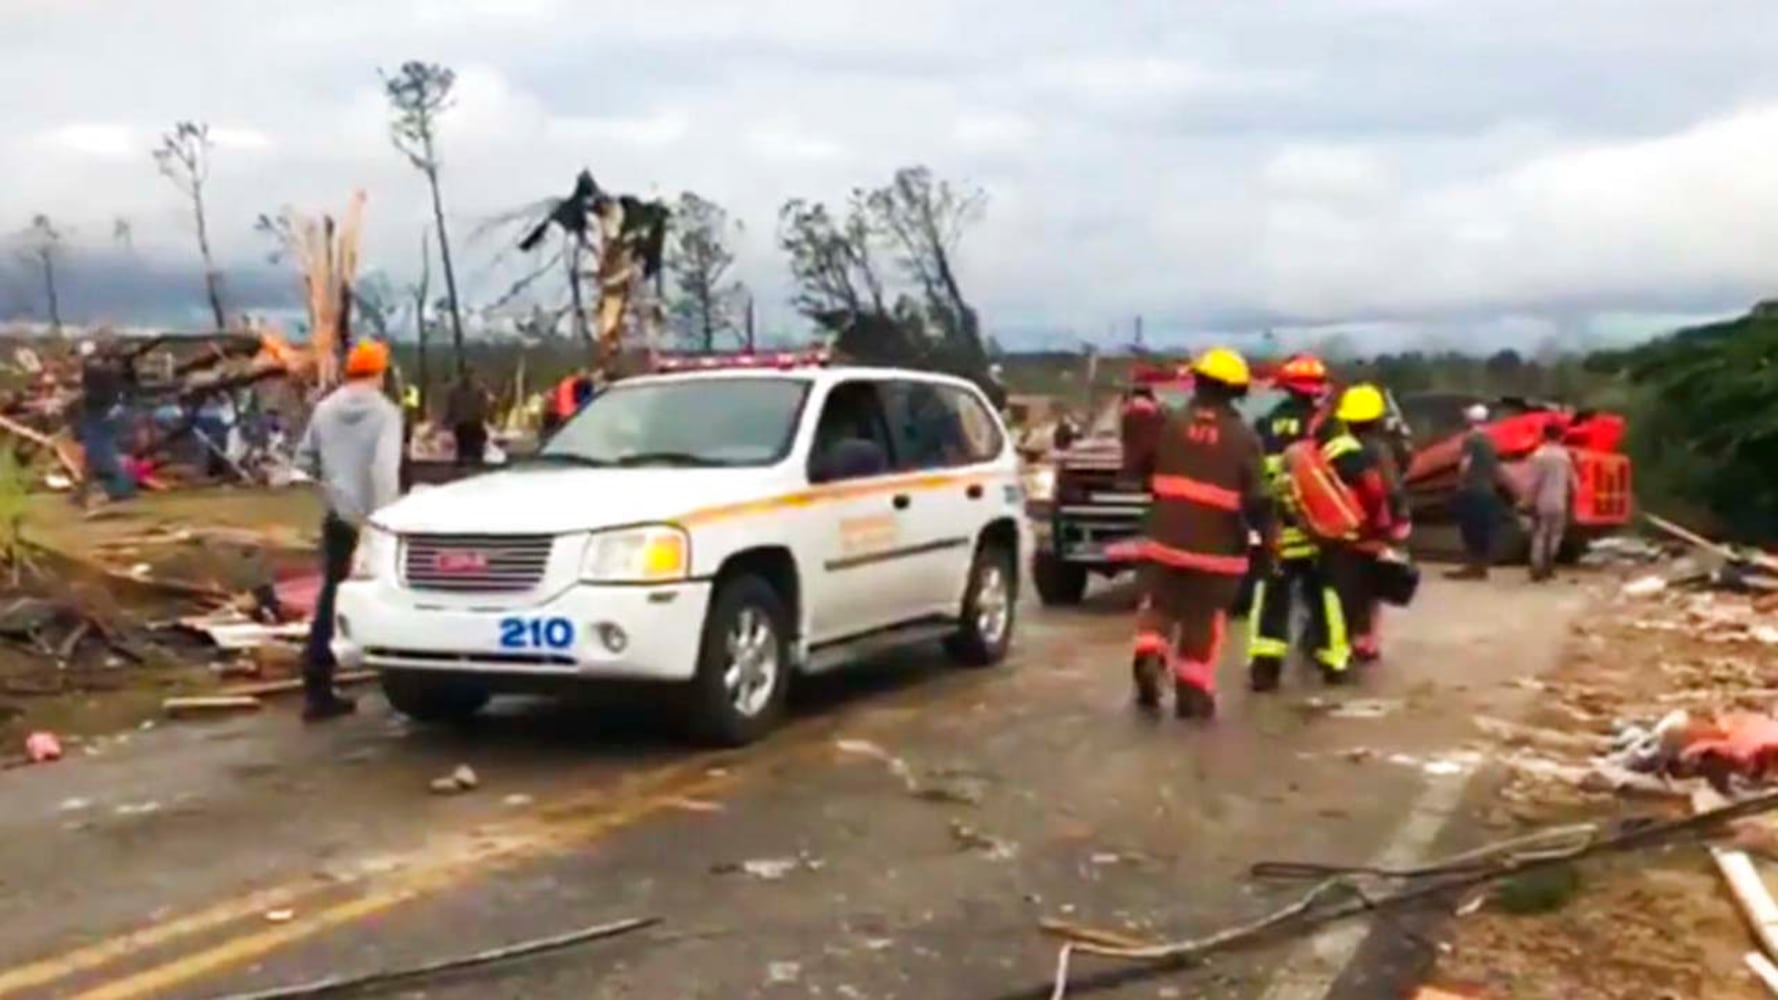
[[1548, 496], [353, 448]]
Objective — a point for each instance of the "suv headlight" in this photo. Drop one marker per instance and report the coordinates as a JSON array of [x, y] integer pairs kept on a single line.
[[637, 555], [372, 553], [1040, 483]]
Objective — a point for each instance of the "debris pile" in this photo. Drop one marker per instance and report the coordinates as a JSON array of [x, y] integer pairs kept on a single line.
[[1668, 701]]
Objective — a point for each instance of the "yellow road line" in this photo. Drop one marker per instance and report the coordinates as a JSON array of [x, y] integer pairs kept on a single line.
[[509, 838], [440, 863], [399, 889]]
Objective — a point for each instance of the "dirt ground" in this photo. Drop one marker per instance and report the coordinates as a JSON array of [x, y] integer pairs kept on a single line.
[[1652, 924]]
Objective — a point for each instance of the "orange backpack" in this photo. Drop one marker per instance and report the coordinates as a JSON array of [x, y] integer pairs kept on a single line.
[[1327, 506]]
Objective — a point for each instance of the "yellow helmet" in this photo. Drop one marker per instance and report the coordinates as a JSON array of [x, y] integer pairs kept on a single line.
[[1223, 365], [1361, 404]]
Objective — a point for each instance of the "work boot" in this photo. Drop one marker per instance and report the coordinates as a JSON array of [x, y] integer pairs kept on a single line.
[[331, 707], [1264, 672], [1335, 677], [1193, 702], [1146, 672]]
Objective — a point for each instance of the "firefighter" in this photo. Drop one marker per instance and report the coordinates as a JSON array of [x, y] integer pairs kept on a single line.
[[1297, 567], [1209, 492], [1353, 444]]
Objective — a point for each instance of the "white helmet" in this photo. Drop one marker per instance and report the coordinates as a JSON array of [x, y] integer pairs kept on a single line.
[[1476, 414]]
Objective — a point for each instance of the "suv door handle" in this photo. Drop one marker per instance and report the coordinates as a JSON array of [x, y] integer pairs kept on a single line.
[[974, 492], [901, 501]]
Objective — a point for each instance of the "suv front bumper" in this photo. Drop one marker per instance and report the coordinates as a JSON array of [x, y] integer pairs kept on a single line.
[[614, 632]]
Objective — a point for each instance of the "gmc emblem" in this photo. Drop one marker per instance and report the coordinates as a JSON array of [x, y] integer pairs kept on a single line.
[[460, 563]]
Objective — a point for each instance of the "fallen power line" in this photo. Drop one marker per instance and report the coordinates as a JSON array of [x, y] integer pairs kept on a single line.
[[343, 985], [1340, 895]]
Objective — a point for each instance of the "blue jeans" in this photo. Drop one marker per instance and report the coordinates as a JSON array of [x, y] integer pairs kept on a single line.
[[338, 540], [98, 438]]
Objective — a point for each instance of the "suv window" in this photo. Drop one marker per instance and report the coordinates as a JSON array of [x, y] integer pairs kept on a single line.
[[939, 426], [852, 439], [739, 421]]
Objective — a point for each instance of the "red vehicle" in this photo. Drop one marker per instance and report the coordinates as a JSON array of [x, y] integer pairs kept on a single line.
[[1602, 503]]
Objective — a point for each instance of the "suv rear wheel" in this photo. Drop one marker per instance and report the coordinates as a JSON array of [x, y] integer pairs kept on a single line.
[[1058, 583], [989, 606], [743, 672], [427, 698]]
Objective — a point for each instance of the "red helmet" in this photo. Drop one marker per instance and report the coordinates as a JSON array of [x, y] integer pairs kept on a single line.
[[1303, 373]]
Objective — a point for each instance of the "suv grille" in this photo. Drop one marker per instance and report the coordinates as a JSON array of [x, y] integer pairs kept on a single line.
[[476, 563]]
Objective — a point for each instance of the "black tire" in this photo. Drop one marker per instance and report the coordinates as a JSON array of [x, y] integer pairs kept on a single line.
[[1571, 551], [1059, 584], [426, 697], [714, 715], [984, 632]]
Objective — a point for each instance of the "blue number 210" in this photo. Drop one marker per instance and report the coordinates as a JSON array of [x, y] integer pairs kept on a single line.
[[536, 633]]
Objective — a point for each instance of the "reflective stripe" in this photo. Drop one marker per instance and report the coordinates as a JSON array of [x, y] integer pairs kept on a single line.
[[1255, 613], [1337, 654], [1267, 649], [1342, 444], [1203, 562], [1196, 491], [1201, 674], [1151, 643], [1274, 466]]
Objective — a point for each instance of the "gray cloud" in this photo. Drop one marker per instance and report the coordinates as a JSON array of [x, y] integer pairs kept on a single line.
[[1408, 164]]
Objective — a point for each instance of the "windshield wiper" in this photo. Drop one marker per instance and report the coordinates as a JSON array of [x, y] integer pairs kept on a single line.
[[669, 458], [562, 458]]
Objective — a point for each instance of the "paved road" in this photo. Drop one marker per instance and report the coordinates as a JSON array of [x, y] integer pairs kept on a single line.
[[930, 817]]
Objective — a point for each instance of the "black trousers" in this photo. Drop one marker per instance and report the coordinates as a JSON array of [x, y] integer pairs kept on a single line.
[[472, 442], [338, 540], [1478, 519], [1305, 580]]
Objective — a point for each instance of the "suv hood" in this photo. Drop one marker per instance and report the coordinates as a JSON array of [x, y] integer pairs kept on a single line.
[[549, 500]]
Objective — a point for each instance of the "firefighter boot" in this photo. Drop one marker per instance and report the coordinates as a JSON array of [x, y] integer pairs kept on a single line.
[[1264, 672], [1145, 671], [1192, 702]]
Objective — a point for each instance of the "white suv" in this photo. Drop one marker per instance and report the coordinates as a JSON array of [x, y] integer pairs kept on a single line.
[[722, 529]]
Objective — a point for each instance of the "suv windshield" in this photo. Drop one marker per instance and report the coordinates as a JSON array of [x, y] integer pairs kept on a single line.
[[690, 422]]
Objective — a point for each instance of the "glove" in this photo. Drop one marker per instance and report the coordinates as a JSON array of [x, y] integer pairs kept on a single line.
[[1261, 559]]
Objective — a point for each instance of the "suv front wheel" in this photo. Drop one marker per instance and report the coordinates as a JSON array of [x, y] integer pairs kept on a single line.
[[989, 606], [743, 673], [427, 697]]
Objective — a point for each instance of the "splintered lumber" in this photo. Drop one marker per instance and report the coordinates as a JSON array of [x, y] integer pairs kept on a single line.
[[1743, 877], [58, 448], [1690, 537], [219, 705], [270, 688]]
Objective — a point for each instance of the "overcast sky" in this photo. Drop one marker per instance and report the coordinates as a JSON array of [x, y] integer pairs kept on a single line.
[[1481, 172]]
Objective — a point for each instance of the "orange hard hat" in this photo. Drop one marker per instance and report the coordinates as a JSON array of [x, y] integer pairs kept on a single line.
[[1303, 373], [367, 359]]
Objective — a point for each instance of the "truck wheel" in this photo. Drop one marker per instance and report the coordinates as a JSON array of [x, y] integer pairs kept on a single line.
[[1571, 551], [743, 664], [989, 606], [426, 698], [1059, 584]]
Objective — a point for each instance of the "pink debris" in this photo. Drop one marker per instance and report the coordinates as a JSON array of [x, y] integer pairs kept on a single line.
[[297, 596], [1746, 741], [42, 747]]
